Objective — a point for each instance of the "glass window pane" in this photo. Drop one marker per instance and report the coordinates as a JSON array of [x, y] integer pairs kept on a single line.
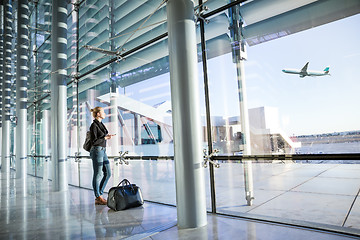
[[93, 31], [287, 114]]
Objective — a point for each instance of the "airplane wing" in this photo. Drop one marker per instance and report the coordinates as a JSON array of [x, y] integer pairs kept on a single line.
[[304, 69]]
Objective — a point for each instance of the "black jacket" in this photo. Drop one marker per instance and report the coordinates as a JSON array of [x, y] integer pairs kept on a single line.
[[98, 132]]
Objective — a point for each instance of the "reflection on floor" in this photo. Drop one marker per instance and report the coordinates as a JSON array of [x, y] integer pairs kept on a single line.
[[30, 210], [292, 191]]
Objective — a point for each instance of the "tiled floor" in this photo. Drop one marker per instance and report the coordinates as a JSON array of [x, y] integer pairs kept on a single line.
[[39, 213], [293, 191]]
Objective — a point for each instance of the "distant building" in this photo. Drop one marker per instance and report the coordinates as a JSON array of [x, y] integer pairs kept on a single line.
[[266, 136]]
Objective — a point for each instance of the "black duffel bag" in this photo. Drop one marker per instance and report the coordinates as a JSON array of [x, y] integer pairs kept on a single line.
[[124, 196]]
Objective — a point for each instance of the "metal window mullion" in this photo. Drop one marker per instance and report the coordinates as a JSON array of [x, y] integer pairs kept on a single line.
[[207, 108]]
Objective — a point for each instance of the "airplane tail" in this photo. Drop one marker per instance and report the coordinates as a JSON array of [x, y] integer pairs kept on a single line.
[[327, 69]]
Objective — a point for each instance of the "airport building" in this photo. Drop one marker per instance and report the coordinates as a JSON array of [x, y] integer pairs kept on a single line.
[[206, 119]]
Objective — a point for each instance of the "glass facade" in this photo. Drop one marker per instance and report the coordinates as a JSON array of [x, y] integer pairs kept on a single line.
[[300, 134]]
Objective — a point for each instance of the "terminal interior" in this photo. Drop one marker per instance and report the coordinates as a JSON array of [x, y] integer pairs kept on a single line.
[[221, 141]]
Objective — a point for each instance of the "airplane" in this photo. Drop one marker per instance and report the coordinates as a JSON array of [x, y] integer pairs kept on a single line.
[[304, 72]]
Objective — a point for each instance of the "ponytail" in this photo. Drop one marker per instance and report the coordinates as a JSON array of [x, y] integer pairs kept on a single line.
[[95, 111]]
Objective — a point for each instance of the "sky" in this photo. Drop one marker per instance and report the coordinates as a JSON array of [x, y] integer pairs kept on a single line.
[[309, 105]]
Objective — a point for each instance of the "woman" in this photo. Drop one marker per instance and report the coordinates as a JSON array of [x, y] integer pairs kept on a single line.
[[101, 165]]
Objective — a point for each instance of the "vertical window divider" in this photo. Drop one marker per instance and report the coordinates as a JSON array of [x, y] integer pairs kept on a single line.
[[77, 10], [207, 106]]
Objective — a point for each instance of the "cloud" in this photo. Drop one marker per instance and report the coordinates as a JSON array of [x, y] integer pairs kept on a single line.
[[352, 55]]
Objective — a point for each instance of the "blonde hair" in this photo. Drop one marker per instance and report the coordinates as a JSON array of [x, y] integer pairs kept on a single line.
[[95, 111]]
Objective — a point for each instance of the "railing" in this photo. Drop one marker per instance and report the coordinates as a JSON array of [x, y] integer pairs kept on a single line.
[[289, 157], [36, 157], [213, 157]]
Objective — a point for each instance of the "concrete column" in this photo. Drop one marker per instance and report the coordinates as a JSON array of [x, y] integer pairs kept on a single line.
[[21, 89], [75, 129], [1, 69], [44, 136], [91, 95], [45, 114], [47, 15], [137, 129], [84, 126], [45, 52], [189, 173], [6, 87], [58, 95]]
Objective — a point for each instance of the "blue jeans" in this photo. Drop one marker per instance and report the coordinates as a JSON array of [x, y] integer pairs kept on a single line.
[[101, 168]]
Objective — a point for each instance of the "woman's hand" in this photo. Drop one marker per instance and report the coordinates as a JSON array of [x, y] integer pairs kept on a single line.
[[109, 136]]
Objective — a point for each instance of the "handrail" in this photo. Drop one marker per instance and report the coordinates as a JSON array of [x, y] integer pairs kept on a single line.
[[39, 156], [292, 157], [132, 157], [283, 157]]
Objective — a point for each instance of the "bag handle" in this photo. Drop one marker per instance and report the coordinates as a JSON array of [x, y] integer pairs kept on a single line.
[[124, 182]]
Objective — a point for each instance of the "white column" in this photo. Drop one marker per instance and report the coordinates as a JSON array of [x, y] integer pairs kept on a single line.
[[58, 95], [6, 87], [45, 143], [137, 129], [189, 173], [21, 90], [1, 71]]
